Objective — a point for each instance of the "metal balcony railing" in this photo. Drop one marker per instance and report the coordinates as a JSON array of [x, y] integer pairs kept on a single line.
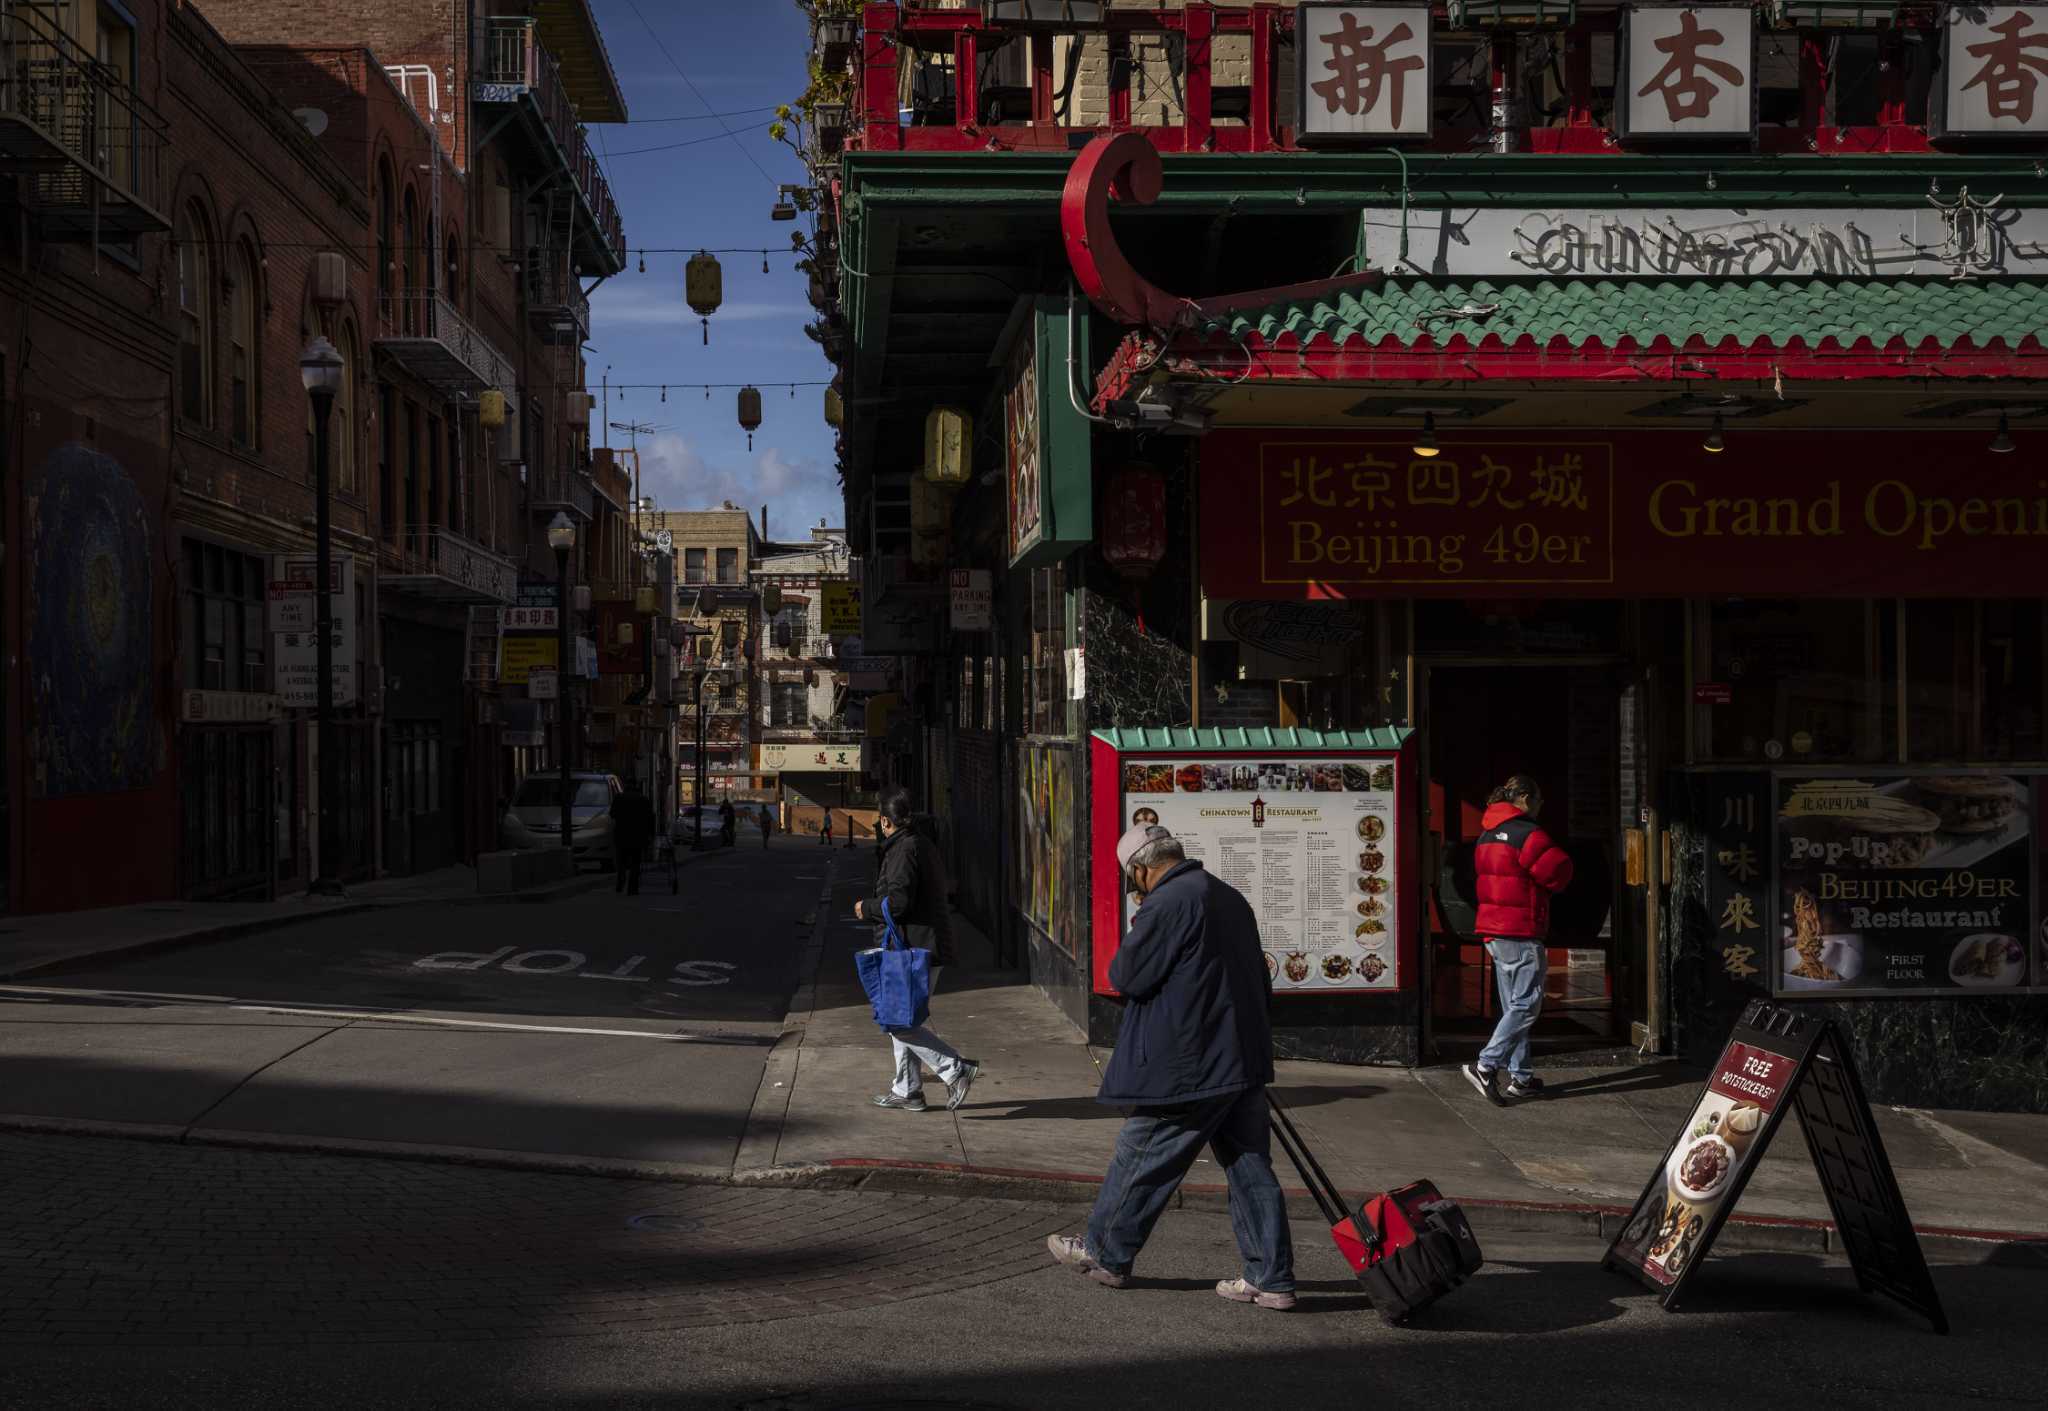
[[93, 149], [425, 334], [564, 490], [555, 299], [441, 564], [514, 66]]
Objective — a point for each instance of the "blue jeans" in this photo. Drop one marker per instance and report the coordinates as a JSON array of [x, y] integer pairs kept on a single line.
[[1519, 968], [1153, 1153]]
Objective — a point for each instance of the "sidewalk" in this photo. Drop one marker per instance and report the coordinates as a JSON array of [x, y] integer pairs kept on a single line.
[[37, 945], [1578, 1157]]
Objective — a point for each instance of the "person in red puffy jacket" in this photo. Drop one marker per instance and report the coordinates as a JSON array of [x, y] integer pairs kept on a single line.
[[1519, 868]]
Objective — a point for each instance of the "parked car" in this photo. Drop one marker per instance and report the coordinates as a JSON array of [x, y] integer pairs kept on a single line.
[[690, 821], [535, 818]]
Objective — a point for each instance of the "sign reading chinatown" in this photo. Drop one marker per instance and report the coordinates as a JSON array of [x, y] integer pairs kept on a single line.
[[1841, 514]]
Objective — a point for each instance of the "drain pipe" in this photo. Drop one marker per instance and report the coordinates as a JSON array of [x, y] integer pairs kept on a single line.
[[1401, 157], [1071, 397]]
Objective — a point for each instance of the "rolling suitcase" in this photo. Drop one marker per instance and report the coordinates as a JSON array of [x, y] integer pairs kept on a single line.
[[1409, 1247]]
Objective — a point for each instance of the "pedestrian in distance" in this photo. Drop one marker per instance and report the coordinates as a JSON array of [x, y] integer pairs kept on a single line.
[[913, 883], [767, 825], [825, 830], [728, 824], [1519, 868], [632, 829], [1192, 1064]]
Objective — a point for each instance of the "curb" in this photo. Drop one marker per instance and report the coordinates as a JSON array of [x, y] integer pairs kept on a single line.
[[237, 930], [1757, 1233]]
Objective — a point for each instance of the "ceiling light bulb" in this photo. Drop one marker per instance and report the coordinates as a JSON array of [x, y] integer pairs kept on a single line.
[[2001, 444], [1425, 444], [1715, 441]]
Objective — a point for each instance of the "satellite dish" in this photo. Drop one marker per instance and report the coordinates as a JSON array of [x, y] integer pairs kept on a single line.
[[664, 541], [312, 119]]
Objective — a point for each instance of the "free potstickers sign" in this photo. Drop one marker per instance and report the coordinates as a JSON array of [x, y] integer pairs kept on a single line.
[[1778, 1060], [1312, 845]]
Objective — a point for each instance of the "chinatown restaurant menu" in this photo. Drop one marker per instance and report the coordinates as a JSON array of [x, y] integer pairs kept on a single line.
[[1670, 1223], [1310, 843], [1904, 882]]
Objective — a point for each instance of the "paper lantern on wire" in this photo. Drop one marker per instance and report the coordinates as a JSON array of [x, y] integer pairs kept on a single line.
[[704, 287], [750, 412]]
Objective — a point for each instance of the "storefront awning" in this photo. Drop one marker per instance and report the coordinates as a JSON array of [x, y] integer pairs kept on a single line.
[[1137, 739], [1637, 328]]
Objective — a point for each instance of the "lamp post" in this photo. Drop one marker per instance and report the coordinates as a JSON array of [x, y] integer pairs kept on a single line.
[[321, 369], [562, 538]]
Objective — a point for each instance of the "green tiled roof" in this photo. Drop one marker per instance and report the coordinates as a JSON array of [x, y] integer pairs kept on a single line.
[[1180, 739], [1707, 313]]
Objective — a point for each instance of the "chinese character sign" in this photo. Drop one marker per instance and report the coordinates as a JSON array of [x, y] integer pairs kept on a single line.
[[1365, 70], [1688, 72], [1994, 71]]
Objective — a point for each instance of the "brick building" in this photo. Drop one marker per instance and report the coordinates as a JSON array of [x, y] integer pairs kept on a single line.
[[175, 184]]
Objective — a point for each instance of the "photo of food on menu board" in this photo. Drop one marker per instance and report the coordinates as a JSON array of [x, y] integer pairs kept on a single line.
[[1889, 883], [1310, 843]]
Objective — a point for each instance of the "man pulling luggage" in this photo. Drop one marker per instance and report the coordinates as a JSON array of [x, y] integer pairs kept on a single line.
[[1192, 1062]]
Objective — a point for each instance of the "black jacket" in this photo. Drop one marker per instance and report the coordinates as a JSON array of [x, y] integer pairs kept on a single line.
[[913, 882], [1191, 969], [632, 820]]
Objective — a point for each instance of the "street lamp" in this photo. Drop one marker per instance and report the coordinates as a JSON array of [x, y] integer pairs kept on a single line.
[[322, 370], [562, 538]]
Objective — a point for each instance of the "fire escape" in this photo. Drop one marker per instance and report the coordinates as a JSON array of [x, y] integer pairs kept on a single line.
[[71, 125]]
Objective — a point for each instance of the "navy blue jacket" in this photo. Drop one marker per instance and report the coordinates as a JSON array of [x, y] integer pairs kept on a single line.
[[1195, 1025]]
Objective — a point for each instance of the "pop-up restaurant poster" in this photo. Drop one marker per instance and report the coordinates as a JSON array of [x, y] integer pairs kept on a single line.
[[1779, 1059]]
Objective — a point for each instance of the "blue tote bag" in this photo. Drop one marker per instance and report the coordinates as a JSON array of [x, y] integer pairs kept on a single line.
[[897, 977]]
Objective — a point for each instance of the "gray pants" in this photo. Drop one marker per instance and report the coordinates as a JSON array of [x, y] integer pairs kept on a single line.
[[913, 1047]]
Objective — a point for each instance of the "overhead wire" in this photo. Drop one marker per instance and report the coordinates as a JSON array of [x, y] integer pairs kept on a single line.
[[655, 35]]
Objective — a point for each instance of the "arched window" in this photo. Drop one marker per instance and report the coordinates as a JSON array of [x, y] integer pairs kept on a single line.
[[409, 254], [195, 318], [243, 352], [385, 215], [345, 427]]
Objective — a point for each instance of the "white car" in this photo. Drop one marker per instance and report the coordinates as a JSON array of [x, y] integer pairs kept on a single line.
[[535, 818], [690, 821]]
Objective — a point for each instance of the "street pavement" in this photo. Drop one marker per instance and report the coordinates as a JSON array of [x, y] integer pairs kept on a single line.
[[633, 1028], [151, 1275]]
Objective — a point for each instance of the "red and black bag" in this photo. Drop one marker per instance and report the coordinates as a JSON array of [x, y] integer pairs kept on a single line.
[[1409, 1246]]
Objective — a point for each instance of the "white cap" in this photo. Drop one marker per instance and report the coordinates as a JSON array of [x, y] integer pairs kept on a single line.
[[1136, 840]]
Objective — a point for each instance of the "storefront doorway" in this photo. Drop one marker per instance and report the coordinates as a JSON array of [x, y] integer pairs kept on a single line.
[[1562, 724]]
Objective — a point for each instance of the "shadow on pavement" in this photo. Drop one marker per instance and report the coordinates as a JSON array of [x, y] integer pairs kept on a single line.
[[1087, 1109]]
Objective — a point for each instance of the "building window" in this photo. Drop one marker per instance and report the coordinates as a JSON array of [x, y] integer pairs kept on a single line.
[[387, 461], [409, 254], [789, 705], [114, 45], [345, 426], [385, 208], [693, 565], [1801, 676], [195, 323], [728, 565], [223, 625], [243, 303]]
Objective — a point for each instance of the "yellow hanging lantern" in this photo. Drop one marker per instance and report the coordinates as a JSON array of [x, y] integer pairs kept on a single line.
[[948, 446], [835, 407], [704, 288], [490, 410], [771, 599], [750, 412]]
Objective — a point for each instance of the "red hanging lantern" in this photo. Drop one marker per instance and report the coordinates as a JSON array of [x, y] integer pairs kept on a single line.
[[1134, 522], [1134, 528]]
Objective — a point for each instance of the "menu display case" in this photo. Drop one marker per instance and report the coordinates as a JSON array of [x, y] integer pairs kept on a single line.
[[1315, 828]]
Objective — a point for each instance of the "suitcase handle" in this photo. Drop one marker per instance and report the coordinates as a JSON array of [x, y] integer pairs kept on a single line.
[[1324, 1191]]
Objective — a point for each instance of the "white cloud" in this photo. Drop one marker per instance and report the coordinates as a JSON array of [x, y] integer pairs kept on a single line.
[[797, 490]]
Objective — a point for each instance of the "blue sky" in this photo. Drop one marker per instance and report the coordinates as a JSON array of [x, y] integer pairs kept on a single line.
[[708, 194]]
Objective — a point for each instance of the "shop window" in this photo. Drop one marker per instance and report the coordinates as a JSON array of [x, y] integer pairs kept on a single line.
[[1798, 681], [1973, 685], [1048, 710], [693, 565], [728, 565], [224, 634], [1519, 626]]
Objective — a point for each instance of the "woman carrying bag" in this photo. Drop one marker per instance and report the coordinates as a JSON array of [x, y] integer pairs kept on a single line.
[[910, 905]]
